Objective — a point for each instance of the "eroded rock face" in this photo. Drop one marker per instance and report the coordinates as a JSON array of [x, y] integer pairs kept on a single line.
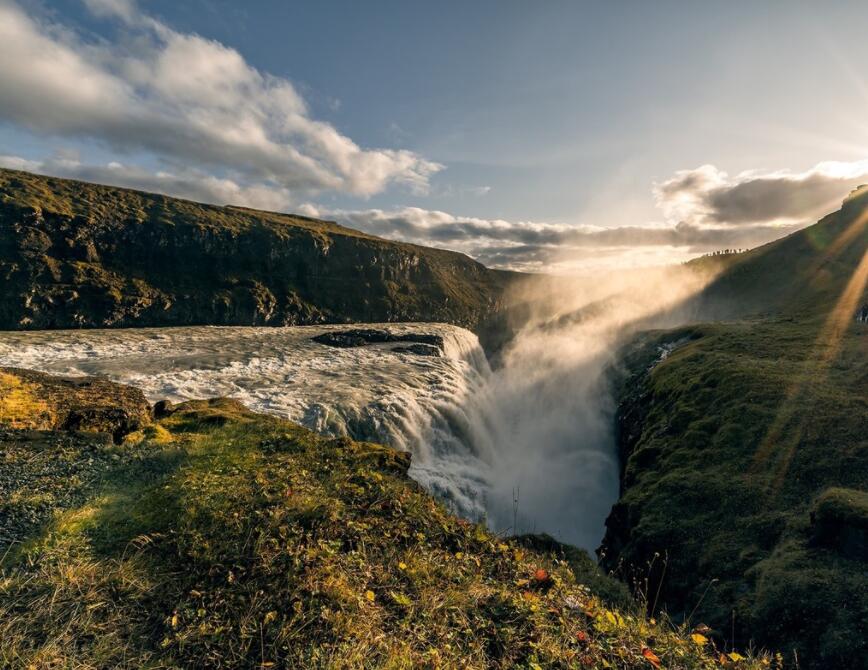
[[81, 255], [424, 343], [32, 400]]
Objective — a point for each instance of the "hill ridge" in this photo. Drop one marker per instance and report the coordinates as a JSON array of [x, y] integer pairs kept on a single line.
[[75, 254]]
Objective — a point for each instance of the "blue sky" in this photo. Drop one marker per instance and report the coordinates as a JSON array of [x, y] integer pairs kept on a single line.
[[529, 135]]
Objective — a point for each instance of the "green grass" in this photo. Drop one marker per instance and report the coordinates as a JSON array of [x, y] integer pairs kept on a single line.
[[74, 198], [243, 541], [749, 446], [745, 452]]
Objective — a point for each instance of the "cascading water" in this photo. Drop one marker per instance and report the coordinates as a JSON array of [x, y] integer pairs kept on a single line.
[[528, 446]]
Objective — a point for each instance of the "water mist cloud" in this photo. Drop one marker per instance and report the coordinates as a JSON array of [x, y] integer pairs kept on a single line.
[[549, 406]]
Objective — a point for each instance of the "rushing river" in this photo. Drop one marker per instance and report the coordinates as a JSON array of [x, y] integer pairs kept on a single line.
[[527, 447]]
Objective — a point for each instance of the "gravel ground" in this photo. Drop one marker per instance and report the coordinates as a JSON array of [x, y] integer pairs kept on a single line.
[[45, 472]]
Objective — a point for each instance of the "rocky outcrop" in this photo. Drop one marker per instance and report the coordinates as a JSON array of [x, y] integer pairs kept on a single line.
[[81, 255], [359, 337], [32, 400]]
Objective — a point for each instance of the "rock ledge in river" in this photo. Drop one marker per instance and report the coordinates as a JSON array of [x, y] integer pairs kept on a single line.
[[360, 337]]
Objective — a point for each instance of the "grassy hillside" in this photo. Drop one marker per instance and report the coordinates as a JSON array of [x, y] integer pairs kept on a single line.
[[74, 254], [746, 450], [215, 537]]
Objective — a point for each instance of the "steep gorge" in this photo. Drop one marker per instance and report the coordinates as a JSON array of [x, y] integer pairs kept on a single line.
[[743, 450], [742, 437]]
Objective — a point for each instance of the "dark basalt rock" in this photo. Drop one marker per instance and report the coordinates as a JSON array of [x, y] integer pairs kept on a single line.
[[359, 337]]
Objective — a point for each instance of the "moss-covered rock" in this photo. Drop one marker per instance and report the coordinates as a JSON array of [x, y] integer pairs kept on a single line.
[[38, 401], [839, 519]]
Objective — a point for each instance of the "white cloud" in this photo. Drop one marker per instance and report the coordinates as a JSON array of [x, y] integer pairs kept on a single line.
[[692, 202], [710, 198], [186, 99], [703, 210], [18, 163]]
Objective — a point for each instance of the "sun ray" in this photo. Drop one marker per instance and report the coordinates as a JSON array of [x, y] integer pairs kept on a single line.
[[825, 350]]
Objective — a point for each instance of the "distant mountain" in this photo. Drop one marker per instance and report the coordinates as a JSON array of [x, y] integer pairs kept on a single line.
[[744, 444], [74, 254]]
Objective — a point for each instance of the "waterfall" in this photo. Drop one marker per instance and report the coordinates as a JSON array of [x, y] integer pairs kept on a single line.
[[528, 446]]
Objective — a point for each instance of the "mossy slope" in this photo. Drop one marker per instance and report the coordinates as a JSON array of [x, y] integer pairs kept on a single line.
[[746, 450], [234, 540]]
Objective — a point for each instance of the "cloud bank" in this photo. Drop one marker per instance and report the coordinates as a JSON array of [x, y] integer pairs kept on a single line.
[[703, 210], [708, 197], [221, 131], [185, 99]]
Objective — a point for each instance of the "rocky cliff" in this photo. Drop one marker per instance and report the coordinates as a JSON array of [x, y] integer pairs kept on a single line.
[[74, 254]]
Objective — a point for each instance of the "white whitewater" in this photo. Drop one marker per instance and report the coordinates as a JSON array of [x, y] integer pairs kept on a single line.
[[529, 447]]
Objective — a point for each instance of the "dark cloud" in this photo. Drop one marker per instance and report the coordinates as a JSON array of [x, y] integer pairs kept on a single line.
[[770, 199]]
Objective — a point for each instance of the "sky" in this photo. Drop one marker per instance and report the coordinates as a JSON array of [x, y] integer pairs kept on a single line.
[[560, 136]]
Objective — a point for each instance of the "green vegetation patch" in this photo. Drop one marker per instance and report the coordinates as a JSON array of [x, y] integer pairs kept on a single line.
[[745, 473], [242, 541]]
